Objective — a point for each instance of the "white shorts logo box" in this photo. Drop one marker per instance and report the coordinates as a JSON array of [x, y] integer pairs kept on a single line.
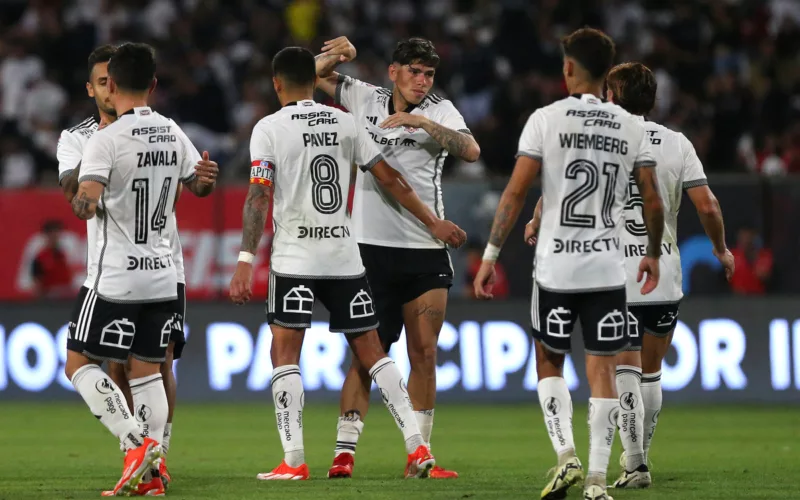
[[361, 305], [118, 333], [166, 332], [299, 299], [557, 322], [633, 325], [611, 327]]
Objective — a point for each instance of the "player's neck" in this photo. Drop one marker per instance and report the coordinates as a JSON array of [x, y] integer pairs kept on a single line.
[[106, 118], [126, 102], [595, 89], [399, 102], [292, 97]]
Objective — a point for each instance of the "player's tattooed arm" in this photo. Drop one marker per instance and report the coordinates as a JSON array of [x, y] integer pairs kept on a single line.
[[652, 208], [69, 184], [513, 199], [334, 52], [459, 144], [254, 216], [84, 203]]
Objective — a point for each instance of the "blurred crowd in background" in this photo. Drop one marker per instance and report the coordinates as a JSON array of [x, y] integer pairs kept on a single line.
[[728, 70]]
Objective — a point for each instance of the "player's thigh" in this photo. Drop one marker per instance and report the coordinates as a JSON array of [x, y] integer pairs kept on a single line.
[[101, 330], [423, 318], [604, 322], [553, 318], [350, 304], [290, 302], [178, 337], [154, 328], [384, 278], [658, 323], [426, 276]]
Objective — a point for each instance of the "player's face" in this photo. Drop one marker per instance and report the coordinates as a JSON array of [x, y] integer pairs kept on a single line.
[[98, 88], [414, 81]]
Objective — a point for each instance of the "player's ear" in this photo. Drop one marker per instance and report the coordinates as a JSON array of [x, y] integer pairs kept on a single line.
[[569, 67], [89, 89], [277, 84], [393, 70], [112, 86], [153, 86], [609, 95]]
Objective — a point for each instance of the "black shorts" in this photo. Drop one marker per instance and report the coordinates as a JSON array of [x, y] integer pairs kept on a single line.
[[103, 330], [603, 316], [178, 336], [398, 276], [348, 300], [656, 319]]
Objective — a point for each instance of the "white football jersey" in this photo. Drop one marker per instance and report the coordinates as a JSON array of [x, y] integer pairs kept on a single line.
[[140, 158], [588, 149], [380, 219], [309, 152], [69, 153], [679, 168]]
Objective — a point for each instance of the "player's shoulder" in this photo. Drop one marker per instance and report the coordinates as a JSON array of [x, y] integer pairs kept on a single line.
[[84, 129], [435, 103]]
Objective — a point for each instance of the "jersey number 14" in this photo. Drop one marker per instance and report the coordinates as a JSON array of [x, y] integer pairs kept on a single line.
[[144, 221]]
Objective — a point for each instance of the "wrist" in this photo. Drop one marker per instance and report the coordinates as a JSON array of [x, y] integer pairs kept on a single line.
[[246, 258], [654, 253], [491, 253]]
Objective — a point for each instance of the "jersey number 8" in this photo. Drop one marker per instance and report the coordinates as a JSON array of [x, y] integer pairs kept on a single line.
[[569, 215], [326, 194], [158, 221]]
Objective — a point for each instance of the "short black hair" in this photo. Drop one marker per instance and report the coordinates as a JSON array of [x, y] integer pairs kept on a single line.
[[416, 51], [634, 87], [592, 49], [133, 66], [296, 66], [101, 54]]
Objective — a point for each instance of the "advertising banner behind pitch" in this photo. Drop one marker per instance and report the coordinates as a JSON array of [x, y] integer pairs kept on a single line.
[[724, 350]]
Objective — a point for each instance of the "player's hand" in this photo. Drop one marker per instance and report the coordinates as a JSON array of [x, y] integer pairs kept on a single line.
[[531, 230], [484, 281], [242, 283], [206, 170], [728, 263], [341, 47], [649, 266], [403, 119], [448, 232]]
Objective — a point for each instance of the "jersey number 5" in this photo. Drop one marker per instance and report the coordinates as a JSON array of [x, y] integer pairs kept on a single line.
[[569, 215], [158, 221], [326, 194], [633, 226]]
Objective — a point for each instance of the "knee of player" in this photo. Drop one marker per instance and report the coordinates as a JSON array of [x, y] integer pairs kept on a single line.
[[422, 357]]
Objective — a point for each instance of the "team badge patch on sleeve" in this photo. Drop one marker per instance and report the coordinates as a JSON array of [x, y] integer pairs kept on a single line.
[[261, 172]]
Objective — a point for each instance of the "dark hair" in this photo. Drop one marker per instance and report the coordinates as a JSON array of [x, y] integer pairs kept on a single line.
[[296, 66], [101, 54], [416, 51], [592, 49], [133, 66], [634, 87]]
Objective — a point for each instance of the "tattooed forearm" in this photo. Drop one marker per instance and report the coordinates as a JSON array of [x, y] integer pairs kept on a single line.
[[326, 64], [83, 206], [456, 143], [69, 184], [254, 216], [506, 216], [652, 208], [199, 188]]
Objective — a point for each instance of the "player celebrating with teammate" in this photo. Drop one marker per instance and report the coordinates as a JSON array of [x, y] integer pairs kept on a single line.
[[653, 316], [408, 268], [305, 153], [70, 151], [586, 150], [128, 177]]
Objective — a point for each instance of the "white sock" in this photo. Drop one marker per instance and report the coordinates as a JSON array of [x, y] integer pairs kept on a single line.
[[347, 433], [631, 415], [651, 400], [425, 424], [150, 405], [167, 435], [602, 427], [556, 404], [395, 397], [288, 395], [107, 403]]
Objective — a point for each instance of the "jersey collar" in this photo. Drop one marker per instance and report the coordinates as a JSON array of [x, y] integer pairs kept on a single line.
[[304, 102], [390, 106], [586, 97], [143, 110]]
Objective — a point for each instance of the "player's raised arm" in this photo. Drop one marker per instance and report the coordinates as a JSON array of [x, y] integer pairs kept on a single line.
[[204, 179], [334, 52]]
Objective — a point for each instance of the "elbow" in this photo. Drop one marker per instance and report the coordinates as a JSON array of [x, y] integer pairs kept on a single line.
[[709, 207], [472, 153]]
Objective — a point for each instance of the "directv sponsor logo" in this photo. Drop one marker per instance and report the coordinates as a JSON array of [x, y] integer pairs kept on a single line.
[[586, 246], [324, 232], [149, 263]]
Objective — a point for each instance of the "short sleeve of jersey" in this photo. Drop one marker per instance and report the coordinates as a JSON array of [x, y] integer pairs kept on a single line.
[[366, 152], [644, 157], [69, 154], [351, 93], [448, 116], [97, 159], [262, 156], [190, 155], [693, 174], [531, 141]]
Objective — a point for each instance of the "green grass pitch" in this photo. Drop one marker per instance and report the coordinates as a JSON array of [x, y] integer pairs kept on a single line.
[[59, 451]]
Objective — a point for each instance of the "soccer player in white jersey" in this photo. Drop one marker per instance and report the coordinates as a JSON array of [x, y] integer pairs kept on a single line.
[[408, 268], [128, 180], [653, 316], [586, 150], [307, 154], [70, 151]]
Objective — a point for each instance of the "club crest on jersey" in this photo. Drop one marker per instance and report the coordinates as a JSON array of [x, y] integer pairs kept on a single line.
[[410, 130], [261, 172]]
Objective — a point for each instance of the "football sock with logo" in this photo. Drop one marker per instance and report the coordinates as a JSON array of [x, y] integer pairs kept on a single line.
[[287, 393], [425, 424], [347, 432], [556, 404], [167, 436], [602, 427], [107, 403], [651, 400], [150, 406], [631, 415], [395, 397]]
